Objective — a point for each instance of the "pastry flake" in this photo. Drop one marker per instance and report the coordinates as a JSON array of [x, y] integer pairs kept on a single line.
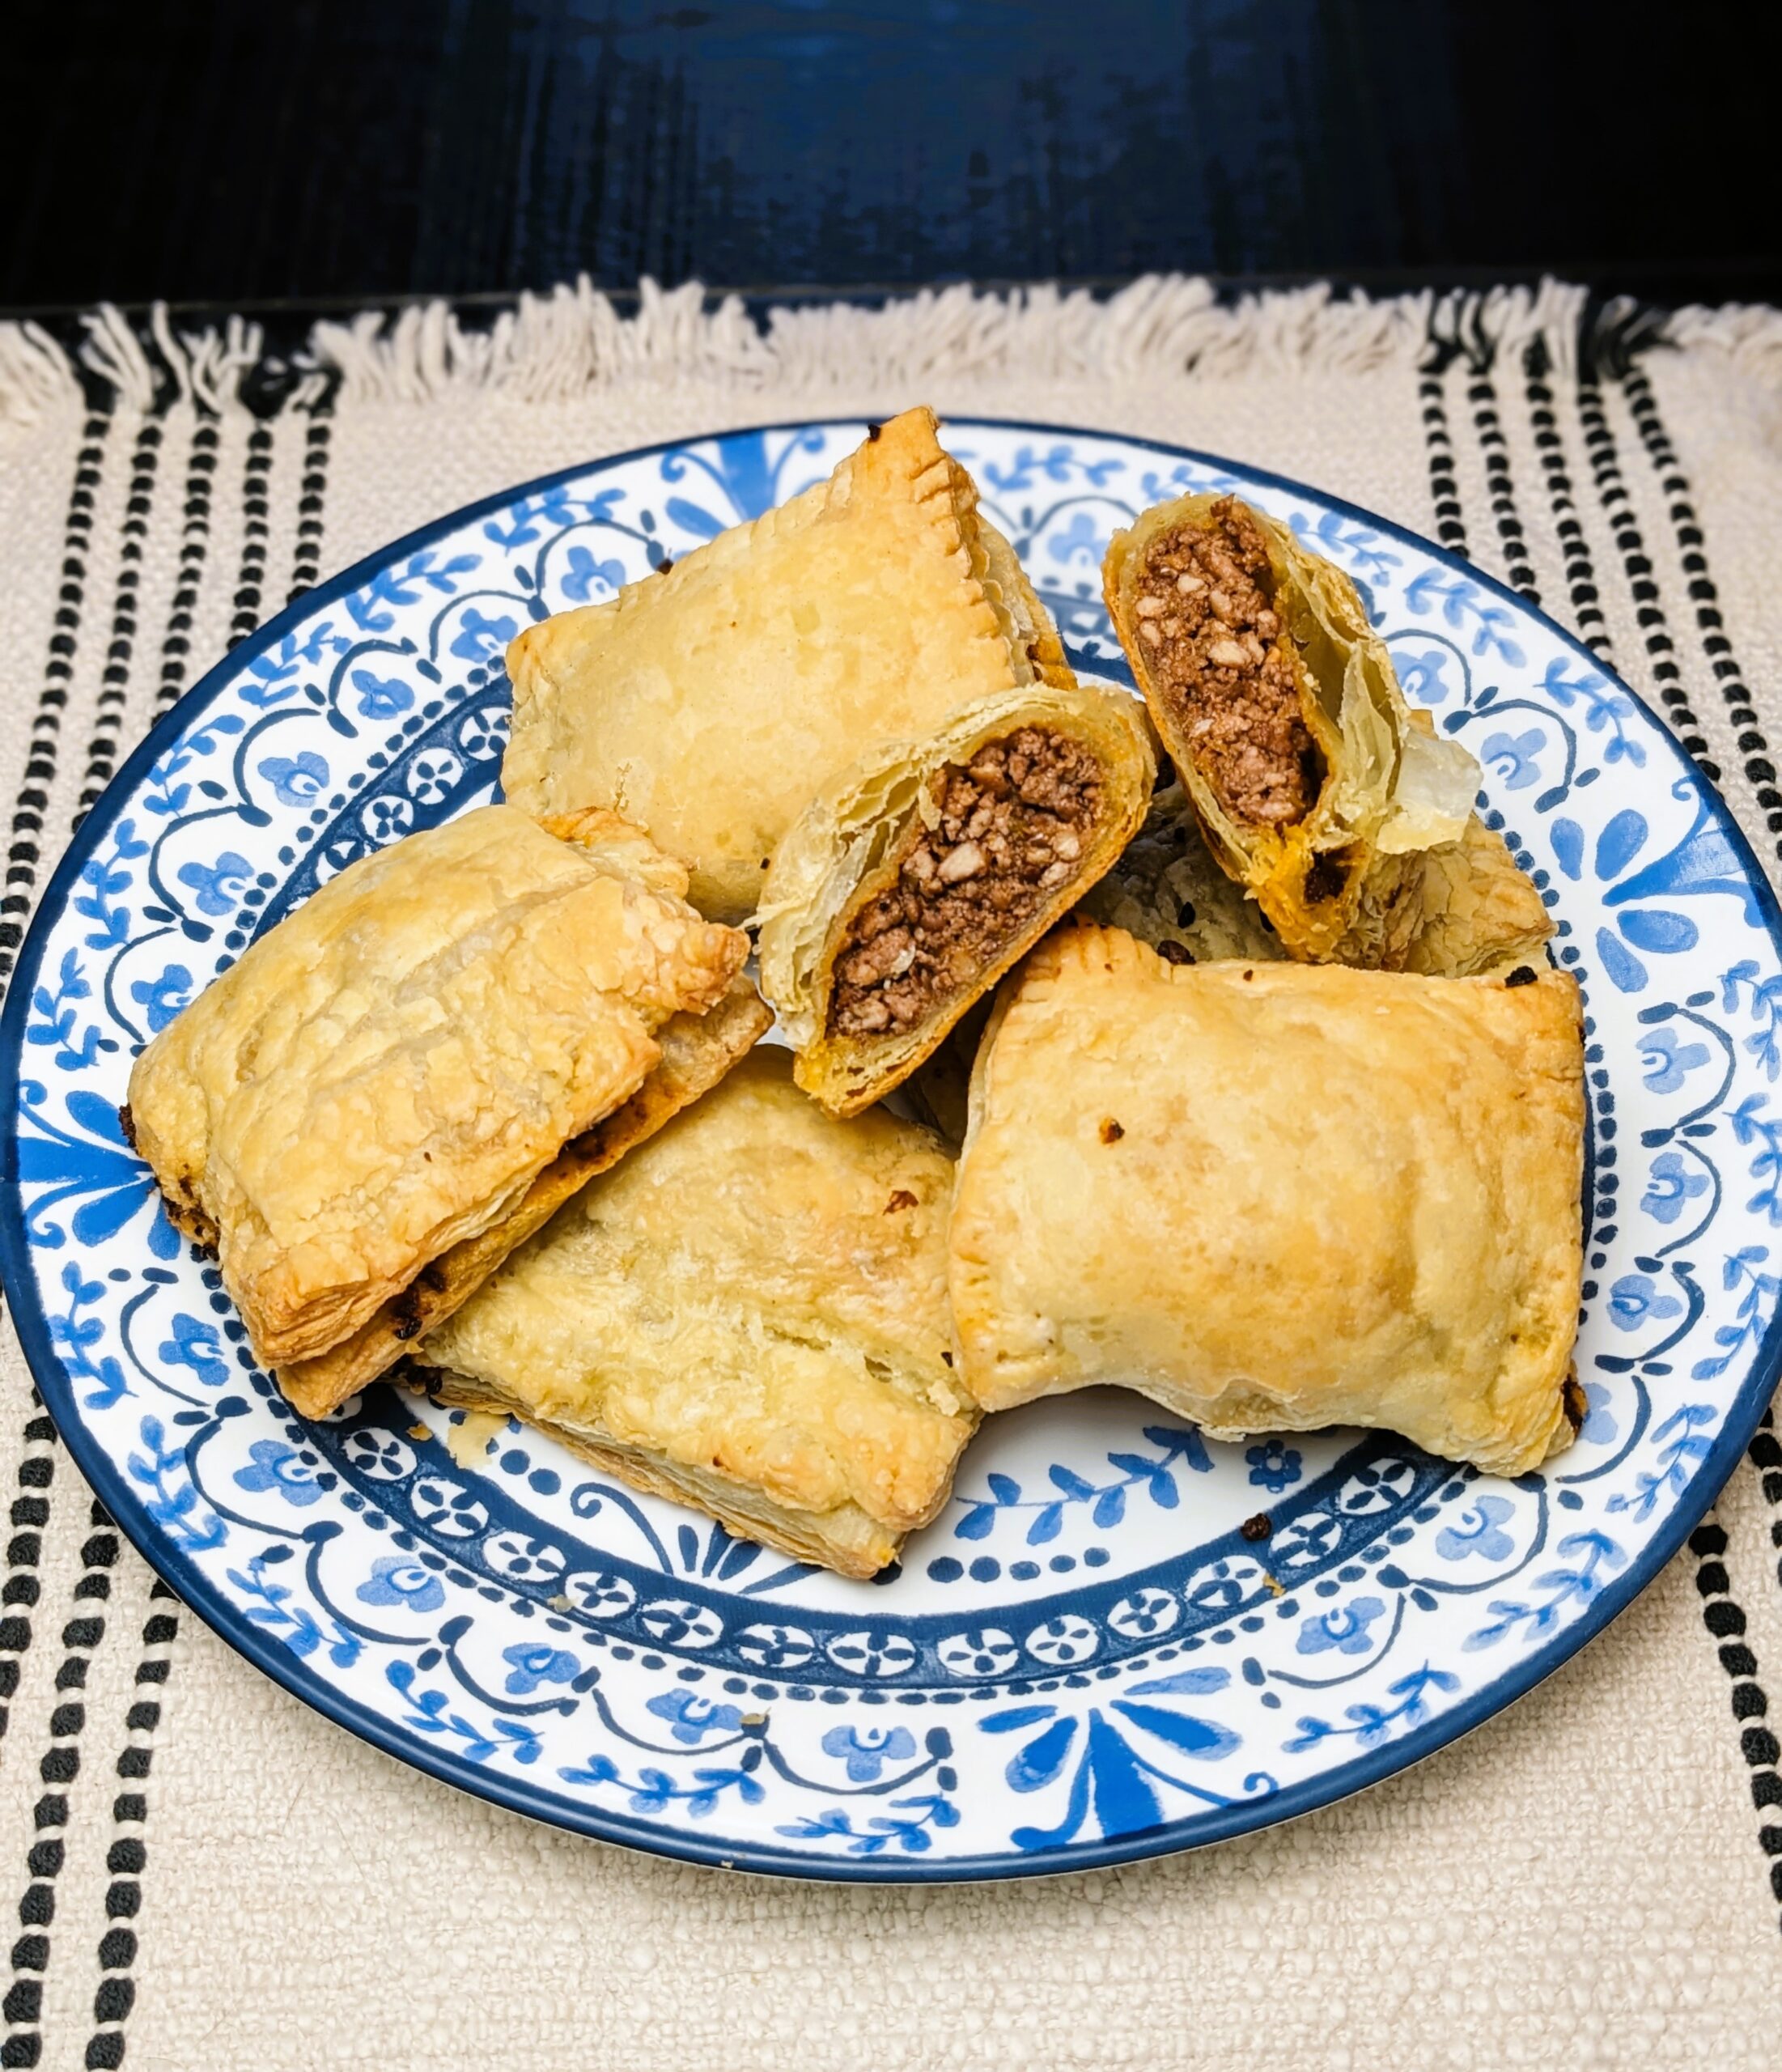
[[712, 702], [1280, 709], [1277, 1197], [748, 1314], [384, 1075], [911, 884]]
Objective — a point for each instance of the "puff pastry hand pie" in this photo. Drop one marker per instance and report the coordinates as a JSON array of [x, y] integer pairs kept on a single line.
[[1278, 1197], [385, 1074], [912, 882], [1286, 724], [697, 1050], [749, 1314], [712, 701]]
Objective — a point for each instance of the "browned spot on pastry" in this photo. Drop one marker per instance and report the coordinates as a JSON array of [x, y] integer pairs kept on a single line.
[[405, 1314], [1220, 656], [1185, 914], [1577, 1404], [1523, 975], [665, 564], [901, 1199], [1258, 1528], [432, 1276], [1325, 878], [1111, 1131], [1010, 828], [126, 1122], [947, 1357], [872, 432], [1250, 975], [1175, 952]]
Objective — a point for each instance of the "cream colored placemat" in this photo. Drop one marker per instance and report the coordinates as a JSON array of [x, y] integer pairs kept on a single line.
[[208, 1877]]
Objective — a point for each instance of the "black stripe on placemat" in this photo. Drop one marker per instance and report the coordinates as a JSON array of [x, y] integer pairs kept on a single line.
[[1636, 564], [114, 684], [1758, 764], [24, 1550], [1500, 487], [1580, 576], [201, 470], [250, 578], [307, 561], [22, 2006], [127, 1857], [1443, 490], [25, 852], [1725, 1619]]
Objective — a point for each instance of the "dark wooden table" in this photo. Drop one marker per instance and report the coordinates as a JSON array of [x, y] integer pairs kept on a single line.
[[246, 153]]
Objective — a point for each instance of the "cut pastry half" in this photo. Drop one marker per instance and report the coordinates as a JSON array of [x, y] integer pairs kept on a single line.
[[1280, 708], [912, 883]]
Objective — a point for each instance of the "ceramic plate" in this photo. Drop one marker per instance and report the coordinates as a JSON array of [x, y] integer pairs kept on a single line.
[[1082, 1660]]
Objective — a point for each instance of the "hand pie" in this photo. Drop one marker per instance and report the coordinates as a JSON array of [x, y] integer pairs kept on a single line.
[[1466, 908], [1286, 724], [748, 1314], [712, 701], [914, 881], [384, 1076], [697, 1050], [1278, 1197]]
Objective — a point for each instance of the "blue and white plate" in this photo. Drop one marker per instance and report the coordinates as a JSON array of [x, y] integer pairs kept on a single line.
[[1082, 1660]]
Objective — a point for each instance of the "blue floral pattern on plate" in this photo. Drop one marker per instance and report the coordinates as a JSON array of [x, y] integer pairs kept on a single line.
[[1084, 1658]]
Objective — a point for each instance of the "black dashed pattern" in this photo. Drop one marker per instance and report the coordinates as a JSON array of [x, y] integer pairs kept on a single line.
[[1482, 396], [1649, 605], [250, 582], [25, 852], [1726, 1620], [58, 1768], [24, 1550], [1580, 576], [1758, 766], [306, 564], [114, 685], [127, 1857], [1443, 488], [201, 470]]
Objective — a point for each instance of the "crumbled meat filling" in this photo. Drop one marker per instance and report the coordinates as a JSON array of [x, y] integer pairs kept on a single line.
[[1013, 826], [1215, 647]]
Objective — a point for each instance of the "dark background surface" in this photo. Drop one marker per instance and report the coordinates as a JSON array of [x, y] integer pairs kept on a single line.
[[255, 151]]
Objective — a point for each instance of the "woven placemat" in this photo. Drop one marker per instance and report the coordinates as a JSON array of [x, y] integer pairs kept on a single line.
[[208, 1877]]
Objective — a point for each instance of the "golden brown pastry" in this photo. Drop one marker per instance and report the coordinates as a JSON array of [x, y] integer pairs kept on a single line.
[[1286, 724], [711, 703], [385, 1074], [911, 884], [1277, 1197], [697, 1050], [748, 1314], [1467, 909]]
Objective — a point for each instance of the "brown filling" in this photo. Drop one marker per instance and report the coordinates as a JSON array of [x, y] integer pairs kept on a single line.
[[1013, 827], [1215, 648]]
